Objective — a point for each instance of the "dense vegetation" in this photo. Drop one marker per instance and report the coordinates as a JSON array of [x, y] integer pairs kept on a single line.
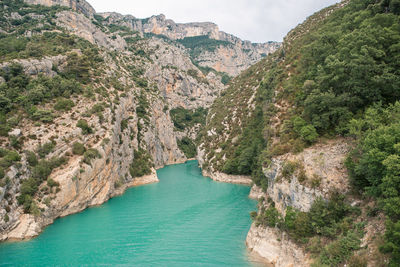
[[187, 146], [374, 166], [324, 221], [335, 75], [199, 44], [184, 118], [141, 164]]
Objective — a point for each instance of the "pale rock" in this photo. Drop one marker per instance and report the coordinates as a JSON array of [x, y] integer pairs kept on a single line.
[[274, 246], [15, 133]]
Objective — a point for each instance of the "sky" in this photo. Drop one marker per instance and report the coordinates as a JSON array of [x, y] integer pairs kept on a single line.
[[255, 20]]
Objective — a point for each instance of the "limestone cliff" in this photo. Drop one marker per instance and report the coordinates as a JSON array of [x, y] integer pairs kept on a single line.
[[125, 103], [232, 56], [319, 171], [77, 5]]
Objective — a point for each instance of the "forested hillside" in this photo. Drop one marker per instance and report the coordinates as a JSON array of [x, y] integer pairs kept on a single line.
[[336, 76]]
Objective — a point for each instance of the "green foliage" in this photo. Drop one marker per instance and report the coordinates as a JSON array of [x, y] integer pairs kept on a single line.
[[78, 148], [141, 164], [51, 183], [31, 158], [198, 44], [2, 173], [349, 63], [124, 125], [19, 91], [324, 218], [64, 104], [374, 166], [187, 146], [289, 168], [86, 129], [252, 142], [340, 250], [184, 118], [91, 154], [40, 172], [8, 157], [270, 217], [225, 79], [45, 149], [77, 67], [142, 107], [37, 46]]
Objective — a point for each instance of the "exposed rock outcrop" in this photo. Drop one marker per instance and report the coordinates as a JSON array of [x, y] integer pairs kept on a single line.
[[77, 5], [232, 58], [324, 162], [274, 245]]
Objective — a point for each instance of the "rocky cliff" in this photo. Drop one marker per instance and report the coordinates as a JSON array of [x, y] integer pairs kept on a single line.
[[77, 5], [116, 128], [231, 55], [261, 127]]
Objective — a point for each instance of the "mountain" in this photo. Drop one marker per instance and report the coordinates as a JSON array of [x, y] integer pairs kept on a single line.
[[91, 104], [315, 127], [208, 47], [88, 107]]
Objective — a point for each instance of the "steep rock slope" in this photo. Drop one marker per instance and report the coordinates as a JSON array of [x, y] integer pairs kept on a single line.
[[307, 125], [86, 111], [208, 46]]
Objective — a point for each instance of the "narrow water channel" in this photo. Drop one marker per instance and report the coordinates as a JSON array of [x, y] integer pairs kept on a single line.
[[184, 220]]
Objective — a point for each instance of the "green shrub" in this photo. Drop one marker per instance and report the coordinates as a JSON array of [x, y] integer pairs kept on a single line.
[[90, 154], [78, 148], [8, 157], [199, 44], [29, 187], [31, 158], [340, 250], [187, 146], [51, 183], [141, 164], [225, 79], [45, 149], [184, 118], [308, 134], [45, 116], [270, 217], [289, 168], [2, 173], [124, 125], [86, 129], [64, 104]]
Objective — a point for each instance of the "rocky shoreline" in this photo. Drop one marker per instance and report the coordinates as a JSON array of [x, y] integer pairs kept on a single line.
[[226, 178], [28, 227]]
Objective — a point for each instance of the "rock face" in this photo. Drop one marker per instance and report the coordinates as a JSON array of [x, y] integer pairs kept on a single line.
[[168, 79], [80, 25], [225, 178], [324, 170], [77, 5], [34, 67], [325, 161], [232, 58], [276, 247]]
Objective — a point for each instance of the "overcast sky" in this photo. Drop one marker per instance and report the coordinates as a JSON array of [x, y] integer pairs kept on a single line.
[[254, 20]]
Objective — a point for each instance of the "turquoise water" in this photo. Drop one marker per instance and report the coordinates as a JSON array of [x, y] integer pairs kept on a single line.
[[184, 220]]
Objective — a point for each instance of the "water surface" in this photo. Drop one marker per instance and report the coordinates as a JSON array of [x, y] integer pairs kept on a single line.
[[184, 220]]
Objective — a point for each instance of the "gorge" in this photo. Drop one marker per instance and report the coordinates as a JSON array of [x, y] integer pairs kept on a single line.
[[94, 103]]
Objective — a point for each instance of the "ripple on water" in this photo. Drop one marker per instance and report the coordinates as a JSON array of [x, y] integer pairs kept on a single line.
[[184, 220]]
